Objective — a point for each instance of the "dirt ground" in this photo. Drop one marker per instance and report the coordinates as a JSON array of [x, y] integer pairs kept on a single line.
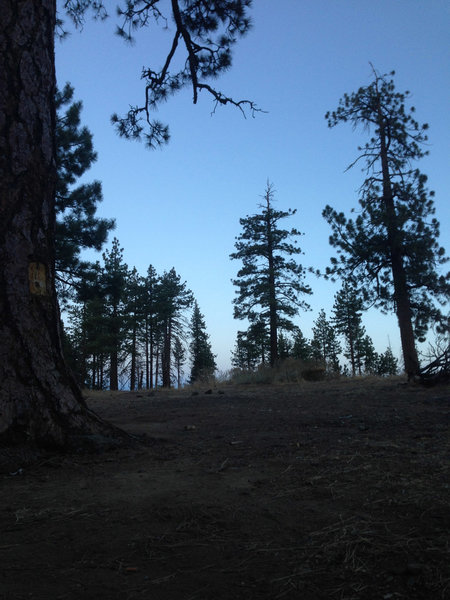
[[330, 490]]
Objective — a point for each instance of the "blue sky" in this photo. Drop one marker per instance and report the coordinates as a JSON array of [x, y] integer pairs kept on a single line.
[[180, 206]]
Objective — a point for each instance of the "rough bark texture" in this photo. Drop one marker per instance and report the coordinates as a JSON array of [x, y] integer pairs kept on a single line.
[[39, 400]]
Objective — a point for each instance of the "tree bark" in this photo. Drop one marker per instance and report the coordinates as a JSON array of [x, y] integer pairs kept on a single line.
[[166, 359], [39, 399], [401, 294], [133, 360], [114, 356], [273, 320], [157, 366], [350, 338], [147, 366], [273, 316]]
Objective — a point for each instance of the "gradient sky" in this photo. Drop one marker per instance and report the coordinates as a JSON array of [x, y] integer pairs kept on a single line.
[[180, 206]]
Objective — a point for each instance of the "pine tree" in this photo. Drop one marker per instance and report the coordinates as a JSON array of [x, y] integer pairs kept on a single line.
[[387, 363], [348, 322], [258, 336], [87, 329], [284, 346], [75, 345], [113, 281], [202, 358], [77, 227], [252, 347], [246, 353], [325, 345], [151, 332], [174, 298], [267, 279], [39, 399], [301, 348], [87, 335], [134, 317], [179, 357], [390, 250], [369, 355]]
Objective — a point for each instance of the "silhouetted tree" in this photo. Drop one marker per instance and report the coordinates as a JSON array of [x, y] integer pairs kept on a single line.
[[77, 226], [390, 250], [114, 281], [258, 336], [134, 317], [173, 299], [202, 357], [325, 345], [284, 346], [387, 363], [301, 347], [179, 357], [267, 279], [245, 354], [369, 355], [151, 331], [87, 329], [348, 322]]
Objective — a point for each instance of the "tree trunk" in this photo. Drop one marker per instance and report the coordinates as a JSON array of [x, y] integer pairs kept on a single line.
[[39, 399], [147, 366], [351, 340], [94, 371], [152, 352], [157, 366], [401, 295], [404, 315], [166, 358], [114, 358], [273, 317], [133, 360]]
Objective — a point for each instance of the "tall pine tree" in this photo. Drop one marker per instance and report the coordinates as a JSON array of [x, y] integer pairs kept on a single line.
[[269, 285], [151, 324], [174, 298], [135, 304], [391, 249], [114, 285]]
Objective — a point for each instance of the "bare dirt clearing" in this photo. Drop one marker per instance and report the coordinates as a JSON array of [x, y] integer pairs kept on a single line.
[[331, 490]]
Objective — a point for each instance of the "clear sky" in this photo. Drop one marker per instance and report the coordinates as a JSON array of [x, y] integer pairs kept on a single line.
[[180, 206]]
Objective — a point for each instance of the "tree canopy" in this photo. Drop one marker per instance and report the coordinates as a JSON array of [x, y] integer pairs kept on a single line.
[[77, 226], [203, 36]]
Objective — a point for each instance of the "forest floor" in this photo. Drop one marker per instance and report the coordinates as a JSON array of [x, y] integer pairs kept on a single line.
[[328, 490]]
